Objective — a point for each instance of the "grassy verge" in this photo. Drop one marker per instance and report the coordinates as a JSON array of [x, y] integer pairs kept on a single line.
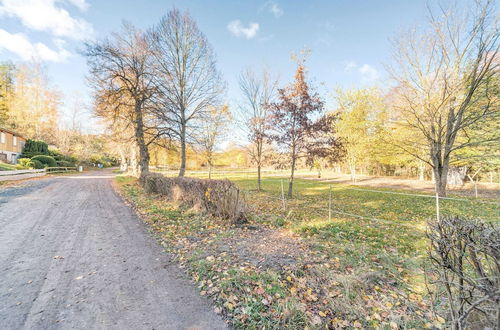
[[297, 269], [7, 167]]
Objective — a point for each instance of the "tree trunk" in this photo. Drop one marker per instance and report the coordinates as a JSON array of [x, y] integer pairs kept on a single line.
[[258, 177], [123, 160], [143, 161], [182, 169], [290, 183], [421, 171], [353, 173], [209, 171], [141, 143], [260, 144], [133, 168], [440, 164], [440, 179]]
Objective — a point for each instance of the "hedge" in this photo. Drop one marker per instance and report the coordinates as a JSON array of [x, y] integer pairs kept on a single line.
[[36, 164], [48, 161], [63, 163]]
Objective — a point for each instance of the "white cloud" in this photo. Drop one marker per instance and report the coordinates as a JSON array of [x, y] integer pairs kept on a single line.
[[349, 66], [45, 15], [83, 5], [276, 10], [237, 29], [273, 8], [19, 44], [367, 72]]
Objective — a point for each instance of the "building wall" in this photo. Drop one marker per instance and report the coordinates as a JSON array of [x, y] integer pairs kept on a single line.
[[10, 151]]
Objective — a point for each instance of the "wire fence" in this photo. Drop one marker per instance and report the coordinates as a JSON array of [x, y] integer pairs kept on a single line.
[[333, 207], [329, 202]]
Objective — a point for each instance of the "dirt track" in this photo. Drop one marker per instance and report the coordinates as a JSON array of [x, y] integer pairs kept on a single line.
[[74, 256]]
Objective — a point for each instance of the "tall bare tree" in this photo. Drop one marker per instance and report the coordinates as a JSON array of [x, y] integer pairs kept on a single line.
[[444, 75], [258, 93], [186, 76], [120, 73]]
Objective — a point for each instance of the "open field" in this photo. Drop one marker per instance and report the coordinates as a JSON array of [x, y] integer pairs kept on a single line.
[[294, 267], [486, 189]]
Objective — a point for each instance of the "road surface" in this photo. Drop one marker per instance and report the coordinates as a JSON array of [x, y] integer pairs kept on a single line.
[[74, 256]]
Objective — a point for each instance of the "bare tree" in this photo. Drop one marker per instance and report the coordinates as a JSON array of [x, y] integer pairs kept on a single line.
[[121, 77], [258, 93], [213, 130], [444, 75], [186, 76]]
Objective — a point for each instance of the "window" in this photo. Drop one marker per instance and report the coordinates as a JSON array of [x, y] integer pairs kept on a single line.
[[14, 141], [2, 137]]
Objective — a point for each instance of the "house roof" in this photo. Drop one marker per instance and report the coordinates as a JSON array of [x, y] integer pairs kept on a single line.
[[11, 132]]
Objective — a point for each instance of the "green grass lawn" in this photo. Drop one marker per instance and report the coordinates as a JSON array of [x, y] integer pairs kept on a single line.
[[7, 167], [364, 202], [354, 272]]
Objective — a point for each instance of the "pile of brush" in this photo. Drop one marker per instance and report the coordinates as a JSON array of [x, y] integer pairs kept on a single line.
[[220, 198]]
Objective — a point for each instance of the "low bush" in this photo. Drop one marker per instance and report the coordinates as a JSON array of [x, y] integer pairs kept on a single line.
[[24, 163], [64, 163], [465, 268], [36, 164], [58, 156], [219, 198], [48, 161]]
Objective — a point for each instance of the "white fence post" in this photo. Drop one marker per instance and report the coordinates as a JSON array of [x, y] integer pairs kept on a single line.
[[330, 204]]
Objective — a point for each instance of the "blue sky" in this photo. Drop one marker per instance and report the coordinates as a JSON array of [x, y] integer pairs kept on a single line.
[[349, 39]]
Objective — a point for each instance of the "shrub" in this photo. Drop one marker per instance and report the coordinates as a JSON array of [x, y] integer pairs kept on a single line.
[[102, 159], [45, 160], [64, 163], [24, 163], [58, 156], [219, 198], [465, 260], [35, 147], [37, 164]]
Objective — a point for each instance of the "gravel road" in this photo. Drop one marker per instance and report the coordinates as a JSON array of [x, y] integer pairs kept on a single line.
[[74, 256]]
